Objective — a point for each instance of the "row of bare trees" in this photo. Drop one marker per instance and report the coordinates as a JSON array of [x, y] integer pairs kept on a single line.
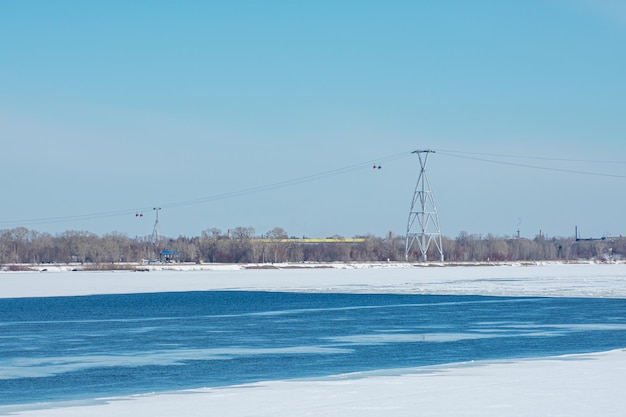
[[243, 245]]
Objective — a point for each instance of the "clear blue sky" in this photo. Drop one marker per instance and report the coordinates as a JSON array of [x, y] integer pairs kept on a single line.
[[115, 107]]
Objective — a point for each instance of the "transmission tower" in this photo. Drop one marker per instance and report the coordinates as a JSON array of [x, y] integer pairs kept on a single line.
[[156, 231], [423, 224]]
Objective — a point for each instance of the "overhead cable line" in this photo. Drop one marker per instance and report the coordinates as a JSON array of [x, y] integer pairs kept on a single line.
[[285, 183], [450, 152], [77, 217], [217, 197], [570, 171]]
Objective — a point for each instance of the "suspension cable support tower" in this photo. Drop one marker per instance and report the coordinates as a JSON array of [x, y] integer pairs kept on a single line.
[[156, 231], [423, 224]]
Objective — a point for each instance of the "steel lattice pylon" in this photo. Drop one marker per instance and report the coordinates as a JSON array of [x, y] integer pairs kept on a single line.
[[423, 224], [156, 231]]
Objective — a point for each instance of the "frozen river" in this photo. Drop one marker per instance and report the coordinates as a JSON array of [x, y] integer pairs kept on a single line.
[[66, 348], [81, 348]]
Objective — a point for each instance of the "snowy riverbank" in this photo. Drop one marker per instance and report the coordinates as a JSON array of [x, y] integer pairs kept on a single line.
[[573, 386]]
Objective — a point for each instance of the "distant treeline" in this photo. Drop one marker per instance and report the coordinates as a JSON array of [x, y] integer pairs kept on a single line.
[[243, 245]]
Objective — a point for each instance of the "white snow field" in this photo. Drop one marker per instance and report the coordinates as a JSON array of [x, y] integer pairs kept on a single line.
[[572, 385], [551, 279]]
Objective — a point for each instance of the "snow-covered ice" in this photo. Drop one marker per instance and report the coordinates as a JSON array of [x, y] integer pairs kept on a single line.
[[574, 385], [553, 279]]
